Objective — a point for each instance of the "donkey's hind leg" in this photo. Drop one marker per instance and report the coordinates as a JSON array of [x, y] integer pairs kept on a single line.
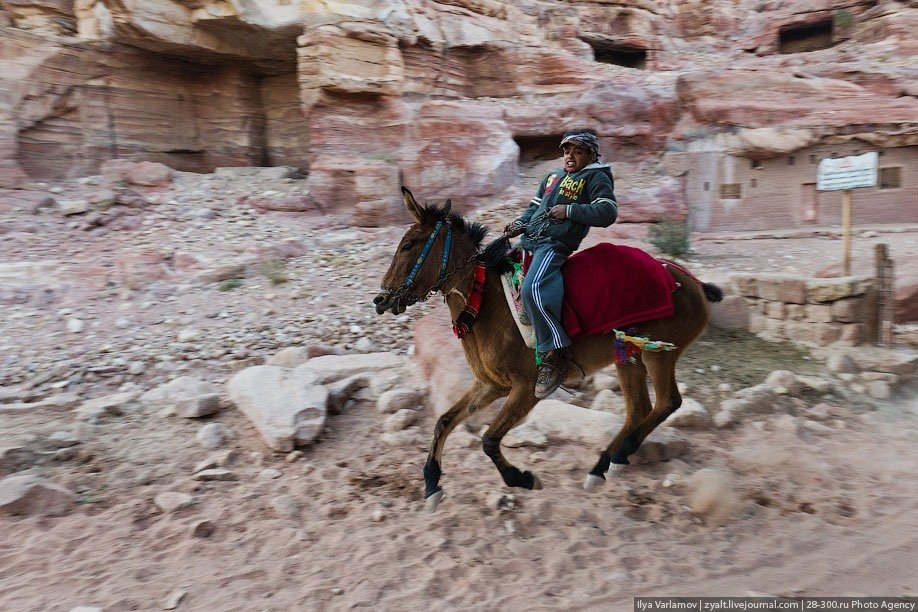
[[633, 381], [479, 395], [662, 368], [514, 410]]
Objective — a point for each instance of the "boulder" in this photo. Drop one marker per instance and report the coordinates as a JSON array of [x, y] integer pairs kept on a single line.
[[288, 407], [31, 495], [329, 368]]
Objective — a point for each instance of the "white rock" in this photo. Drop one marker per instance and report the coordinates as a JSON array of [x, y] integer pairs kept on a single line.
[[135, 368], [29, 494], [75, 326], [197, 406], [398, 399], [690, 414], [181, 387], [879, 389], [412, 435], [378, 516], [170, 501], [96, 408], [290, 357], [270, 474], [174, 599], [213, 435], [604, 401], [784, 379], [63, 439], [285, 506], [557, 419], [286, 406], [400, 420], [604, 381], [188, 335], [329, 368]]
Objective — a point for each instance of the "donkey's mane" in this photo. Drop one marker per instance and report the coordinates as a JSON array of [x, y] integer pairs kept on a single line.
[[474, 230], [494, 254]]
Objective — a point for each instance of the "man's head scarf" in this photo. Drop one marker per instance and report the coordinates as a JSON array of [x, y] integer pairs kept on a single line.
[[582, 138]]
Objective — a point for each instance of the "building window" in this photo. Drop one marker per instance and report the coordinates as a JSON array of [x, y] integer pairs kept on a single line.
[[753, 183], [707, 186], [731, 191], [791, 160], [755, 163], [891, 178], [812, 159]]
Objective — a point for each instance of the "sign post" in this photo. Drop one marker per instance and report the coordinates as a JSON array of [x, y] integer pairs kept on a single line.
[[844, 174]]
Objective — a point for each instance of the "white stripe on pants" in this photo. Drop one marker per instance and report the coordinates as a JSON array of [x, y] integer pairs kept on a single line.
[[543, 296]]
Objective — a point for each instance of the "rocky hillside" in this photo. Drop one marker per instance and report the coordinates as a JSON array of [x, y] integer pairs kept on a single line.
[[451, 97]]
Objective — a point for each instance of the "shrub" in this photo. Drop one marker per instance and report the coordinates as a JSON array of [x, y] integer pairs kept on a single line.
[[230, 284], [275, 270], [671, 236]]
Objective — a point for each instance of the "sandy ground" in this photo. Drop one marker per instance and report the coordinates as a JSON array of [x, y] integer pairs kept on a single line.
[[809, 507]]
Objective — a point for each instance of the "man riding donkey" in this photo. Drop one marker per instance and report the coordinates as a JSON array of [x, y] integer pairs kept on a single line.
[[569, 201]]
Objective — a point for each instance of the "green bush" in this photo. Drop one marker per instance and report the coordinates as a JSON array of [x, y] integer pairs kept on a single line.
[[671, 236], [230, 284], [275, 270]]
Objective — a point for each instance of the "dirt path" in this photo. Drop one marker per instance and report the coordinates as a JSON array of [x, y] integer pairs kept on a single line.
[[818, 506]]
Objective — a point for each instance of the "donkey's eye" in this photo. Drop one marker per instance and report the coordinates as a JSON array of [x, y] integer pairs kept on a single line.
[[407, 247]]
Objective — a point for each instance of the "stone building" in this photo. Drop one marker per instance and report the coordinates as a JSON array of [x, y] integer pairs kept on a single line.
[[724, 191]]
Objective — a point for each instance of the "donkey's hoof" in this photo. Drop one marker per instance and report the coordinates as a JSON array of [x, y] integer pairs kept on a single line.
[[536, 483], [431, 503], [593, 481], [615, 469]]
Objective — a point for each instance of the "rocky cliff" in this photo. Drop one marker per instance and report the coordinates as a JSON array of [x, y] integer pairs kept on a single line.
[[448, 96]]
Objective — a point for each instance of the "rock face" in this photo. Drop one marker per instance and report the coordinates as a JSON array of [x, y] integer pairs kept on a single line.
[[444, 96]]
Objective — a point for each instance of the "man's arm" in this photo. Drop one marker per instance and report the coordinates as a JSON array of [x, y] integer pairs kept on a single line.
[[602, 211]]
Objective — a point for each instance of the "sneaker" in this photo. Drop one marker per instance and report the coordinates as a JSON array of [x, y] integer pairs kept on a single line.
[[551, 374]]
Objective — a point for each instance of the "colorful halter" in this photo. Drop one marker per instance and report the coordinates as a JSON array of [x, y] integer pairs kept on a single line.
[[401, 294]]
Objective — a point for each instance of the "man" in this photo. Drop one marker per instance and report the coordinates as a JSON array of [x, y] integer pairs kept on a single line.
[[568, 202]]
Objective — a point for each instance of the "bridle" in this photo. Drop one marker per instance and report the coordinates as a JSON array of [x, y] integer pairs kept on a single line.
[[401, 294]]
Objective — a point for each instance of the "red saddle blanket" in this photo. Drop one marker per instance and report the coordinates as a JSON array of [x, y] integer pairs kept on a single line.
[[609, 287]]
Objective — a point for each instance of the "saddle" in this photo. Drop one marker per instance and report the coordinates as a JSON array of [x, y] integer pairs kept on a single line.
[[606, 287]]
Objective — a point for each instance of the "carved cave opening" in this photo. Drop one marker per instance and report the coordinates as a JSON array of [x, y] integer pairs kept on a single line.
[[192, 117], [620, 55], [538, 148], [803, 38]]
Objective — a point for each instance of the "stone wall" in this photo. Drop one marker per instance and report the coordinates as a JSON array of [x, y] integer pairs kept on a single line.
[[813, 312]]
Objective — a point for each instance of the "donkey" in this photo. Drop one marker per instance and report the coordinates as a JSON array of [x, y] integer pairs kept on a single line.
[[502, 364]]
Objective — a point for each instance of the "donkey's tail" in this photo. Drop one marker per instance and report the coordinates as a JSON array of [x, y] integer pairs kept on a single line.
[[712, 292]]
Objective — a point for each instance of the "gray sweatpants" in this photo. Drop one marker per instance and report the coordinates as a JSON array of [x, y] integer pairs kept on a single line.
[[543, 295]]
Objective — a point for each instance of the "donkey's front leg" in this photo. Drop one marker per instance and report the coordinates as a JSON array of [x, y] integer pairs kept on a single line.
[[479, 395], [514, 410]]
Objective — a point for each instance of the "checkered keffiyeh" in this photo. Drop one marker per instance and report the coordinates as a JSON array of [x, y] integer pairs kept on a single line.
[[582, 138]]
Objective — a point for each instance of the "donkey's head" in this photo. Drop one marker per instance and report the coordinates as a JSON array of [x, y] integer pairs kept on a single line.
[[434, 247]]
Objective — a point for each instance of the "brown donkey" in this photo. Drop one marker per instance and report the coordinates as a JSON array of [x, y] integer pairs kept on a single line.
[[439, 253]]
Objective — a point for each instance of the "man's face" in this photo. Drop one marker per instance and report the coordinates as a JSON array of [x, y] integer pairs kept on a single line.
[[575, 158]]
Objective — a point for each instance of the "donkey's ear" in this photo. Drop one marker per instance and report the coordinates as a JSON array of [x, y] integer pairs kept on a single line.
[[447, 207], [412, 205]]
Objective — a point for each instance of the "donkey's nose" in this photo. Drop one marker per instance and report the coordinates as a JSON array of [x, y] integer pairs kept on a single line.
[[381, 302]]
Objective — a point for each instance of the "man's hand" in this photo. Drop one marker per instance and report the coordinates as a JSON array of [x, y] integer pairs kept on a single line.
[[514, 229], [558, 211]]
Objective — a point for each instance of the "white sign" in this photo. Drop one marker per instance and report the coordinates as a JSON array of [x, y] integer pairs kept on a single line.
[[847, 172]]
